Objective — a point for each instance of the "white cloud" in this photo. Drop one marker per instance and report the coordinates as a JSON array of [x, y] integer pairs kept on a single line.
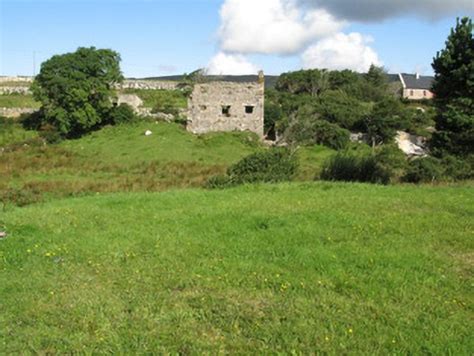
[[272, 26], [341, 51], [231, 64], [376, 10]]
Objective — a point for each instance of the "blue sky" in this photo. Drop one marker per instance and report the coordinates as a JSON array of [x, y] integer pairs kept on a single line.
[[162, 37]]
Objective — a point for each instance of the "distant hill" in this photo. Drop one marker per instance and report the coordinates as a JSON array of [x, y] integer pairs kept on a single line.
[[270, 80]]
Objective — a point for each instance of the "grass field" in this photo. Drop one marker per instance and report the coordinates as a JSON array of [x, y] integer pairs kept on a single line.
[[122, 158], [292, 268], [18, 101], [161, 99]]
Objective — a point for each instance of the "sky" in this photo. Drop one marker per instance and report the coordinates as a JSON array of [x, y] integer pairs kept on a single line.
[[164, 37]]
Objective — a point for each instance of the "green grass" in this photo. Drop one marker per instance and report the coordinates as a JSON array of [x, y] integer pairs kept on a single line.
[[12, 132], [122, 158], [161, 99], [14, 83], [18, 101], [292, 268]]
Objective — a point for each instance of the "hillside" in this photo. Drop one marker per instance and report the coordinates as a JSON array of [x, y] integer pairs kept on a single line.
[[122, 158], [315, 267]]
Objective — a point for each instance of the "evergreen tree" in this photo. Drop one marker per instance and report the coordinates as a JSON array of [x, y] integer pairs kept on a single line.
[[454, 93]]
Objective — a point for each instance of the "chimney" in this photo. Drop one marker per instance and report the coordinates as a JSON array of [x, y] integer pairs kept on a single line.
[[417, 75], [261, 77]]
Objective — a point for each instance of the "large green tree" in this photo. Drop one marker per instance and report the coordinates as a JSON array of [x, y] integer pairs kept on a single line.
[[76, 90], [454, 93]]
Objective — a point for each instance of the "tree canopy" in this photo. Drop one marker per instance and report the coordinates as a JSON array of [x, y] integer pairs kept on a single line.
[[76, 90], [454, 92]]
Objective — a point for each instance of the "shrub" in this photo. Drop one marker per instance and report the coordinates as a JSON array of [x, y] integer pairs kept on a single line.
[[307, 130], [339, 108], [219, 182], [381, 167], [458, 169], [50, 134], [388, 116], [121, 114], [427, 169], [19, 197], [273, 165]]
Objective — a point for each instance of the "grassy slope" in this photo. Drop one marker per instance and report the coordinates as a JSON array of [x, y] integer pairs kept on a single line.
[[18, 101], [160, 98], [315, 267], [12, 132], [122, 158]]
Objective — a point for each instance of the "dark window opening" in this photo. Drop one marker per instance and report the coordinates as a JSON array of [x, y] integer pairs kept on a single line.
[[411, 92], [424, 92], [249, 109], [226, 110]]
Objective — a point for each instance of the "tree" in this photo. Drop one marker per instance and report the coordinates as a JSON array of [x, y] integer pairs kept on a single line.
[[376, 76], [454, 93], [76, 90], [339, 108], [312, 81], [384, 121]]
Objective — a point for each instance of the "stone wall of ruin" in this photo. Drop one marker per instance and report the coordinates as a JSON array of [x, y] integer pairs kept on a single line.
[[206, 104]]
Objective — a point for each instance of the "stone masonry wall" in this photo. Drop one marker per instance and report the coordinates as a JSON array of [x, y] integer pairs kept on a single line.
[[15, 112], [25, 82], [14, 90], [148, 84], [208, 104]]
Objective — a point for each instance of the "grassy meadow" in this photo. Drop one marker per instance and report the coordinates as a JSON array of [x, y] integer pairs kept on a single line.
[[290, 268]]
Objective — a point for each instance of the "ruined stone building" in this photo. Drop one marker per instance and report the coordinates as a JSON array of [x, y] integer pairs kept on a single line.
[[227, 106]]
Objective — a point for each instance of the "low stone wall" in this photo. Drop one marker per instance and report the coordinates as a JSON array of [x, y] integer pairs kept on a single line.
[[15, 112], [5, 79], [127, 84], [15, 90], [147, 85]]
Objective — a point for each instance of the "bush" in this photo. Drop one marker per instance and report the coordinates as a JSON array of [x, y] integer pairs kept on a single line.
[[458, 169], [388, 116], [50, 134], [339, 108], [273, 165], [383, 166], [306, 130], [121, 114], [219, 182], [422, 170]]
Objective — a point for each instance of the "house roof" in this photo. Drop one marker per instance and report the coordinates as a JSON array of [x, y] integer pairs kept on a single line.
[[411, 82]]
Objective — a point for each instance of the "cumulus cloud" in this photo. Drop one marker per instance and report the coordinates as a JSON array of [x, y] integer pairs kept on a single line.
[[272, 26], [341, 51], [231, 64], [377, 10]]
